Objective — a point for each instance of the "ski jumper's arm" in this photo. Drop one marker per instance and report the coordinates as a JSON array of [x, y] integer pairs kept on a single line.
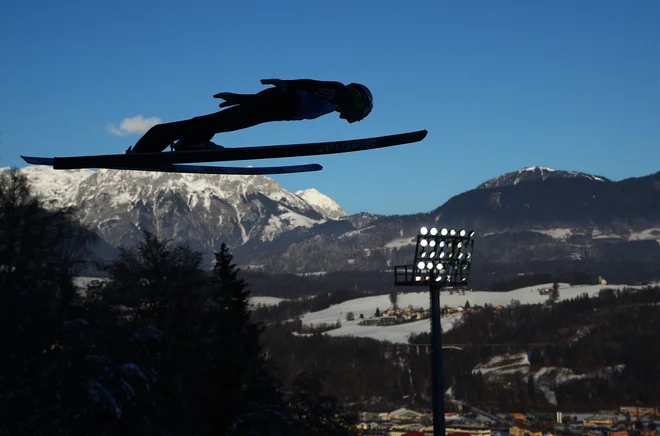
[[335, 92]]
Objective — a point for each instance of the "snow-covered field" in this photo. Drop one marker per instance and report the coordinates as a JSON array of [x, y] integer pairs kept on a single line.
[[400, 333], [395, 333], [266, 301]]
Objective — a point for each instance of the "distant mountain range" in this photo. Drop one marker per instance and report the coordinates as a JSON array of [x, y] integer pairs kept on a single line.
[[534, 216]]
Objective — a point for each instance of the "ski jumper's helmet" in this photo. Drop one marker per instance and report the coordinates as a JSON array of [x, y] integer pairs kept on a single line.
[[365, 101]]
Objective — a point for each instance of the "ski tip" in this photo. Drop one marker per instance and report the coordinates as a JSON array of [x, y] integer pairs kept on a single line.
[[38, 160]]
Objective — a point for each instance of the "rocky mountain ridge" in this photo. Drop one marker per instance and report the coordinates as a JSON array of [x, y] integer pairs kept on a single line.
[[531, 215]]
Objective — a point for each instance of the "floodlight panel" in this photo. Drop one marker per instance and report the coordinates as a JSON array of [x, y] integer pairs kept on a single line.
[[450, 247]]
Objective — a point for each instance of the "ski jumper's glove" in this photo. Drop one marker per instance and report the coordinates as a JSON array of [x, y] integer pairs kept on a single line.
[[229, 97], [281, 85], [232, 99]]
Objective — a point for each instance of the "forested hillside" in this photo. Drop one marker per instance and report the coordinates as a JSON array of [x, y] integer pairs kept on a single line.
[[577, 354]]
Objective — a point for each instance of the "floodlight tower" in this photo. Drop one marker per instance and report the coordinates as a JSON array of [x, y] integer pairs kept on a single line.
[[442, 258]]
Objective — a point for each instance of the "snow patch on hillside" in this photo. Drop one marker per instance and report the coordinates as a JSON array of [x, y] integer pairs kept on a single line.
[[500, 365], [550, 376], [503, 367], [597, 234], [401, 242], [550, 170], [266, 301], [652, 234], [556, 233]]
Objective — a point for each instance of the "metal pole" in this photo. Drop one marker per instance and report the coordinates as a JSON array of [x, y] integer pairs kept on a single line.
[[436, 364]]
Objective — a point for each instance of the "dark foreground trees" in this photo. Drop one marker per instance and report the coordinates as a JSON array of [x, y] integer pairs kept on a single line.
[[164, 349]]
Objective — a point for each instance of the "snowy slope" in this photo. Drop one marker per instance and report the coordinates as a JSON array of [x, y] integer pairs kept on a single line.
[[323, 204], [400, 333]]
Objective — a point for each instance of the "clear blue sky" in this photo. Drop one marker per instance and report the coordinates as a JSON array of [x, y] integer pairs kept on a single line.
[[500, 85]]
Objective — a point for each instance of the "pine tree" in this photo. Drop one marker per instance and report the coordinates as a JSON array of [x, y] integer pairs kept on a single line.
[[243, 396], [554, 294]]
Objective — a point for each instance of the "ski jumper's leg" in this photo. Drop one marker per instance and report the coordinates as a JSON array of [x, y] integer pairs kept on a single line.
[[266, 106], [159, 137]]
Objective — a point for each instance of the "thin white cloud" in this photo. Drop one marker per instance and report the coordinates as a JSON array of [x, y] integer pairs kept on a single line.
[[134, 125]]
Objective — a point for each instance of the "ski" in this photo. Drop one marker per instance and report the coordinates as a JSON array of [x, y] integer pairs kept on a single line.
[[148, 160], [199, 169]]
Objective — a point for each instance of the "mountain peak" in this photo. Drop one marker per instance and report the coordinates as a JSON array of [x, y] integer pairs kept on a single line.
[[323, 204], [535, 173]]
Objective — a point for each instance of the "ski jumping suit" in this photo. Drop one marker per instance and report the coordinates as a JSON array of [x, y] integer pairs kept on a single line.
[[303, 99]]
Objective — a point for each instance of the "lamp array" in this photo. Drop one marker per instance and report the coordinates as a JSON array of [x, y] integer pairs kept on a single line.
[[443, 255]]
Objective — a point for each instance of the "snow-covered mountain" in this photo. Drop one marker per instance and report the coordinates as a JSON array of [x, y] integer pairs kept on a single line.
[[554, 216], [323, 204], [203, 210], [536, 173]]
